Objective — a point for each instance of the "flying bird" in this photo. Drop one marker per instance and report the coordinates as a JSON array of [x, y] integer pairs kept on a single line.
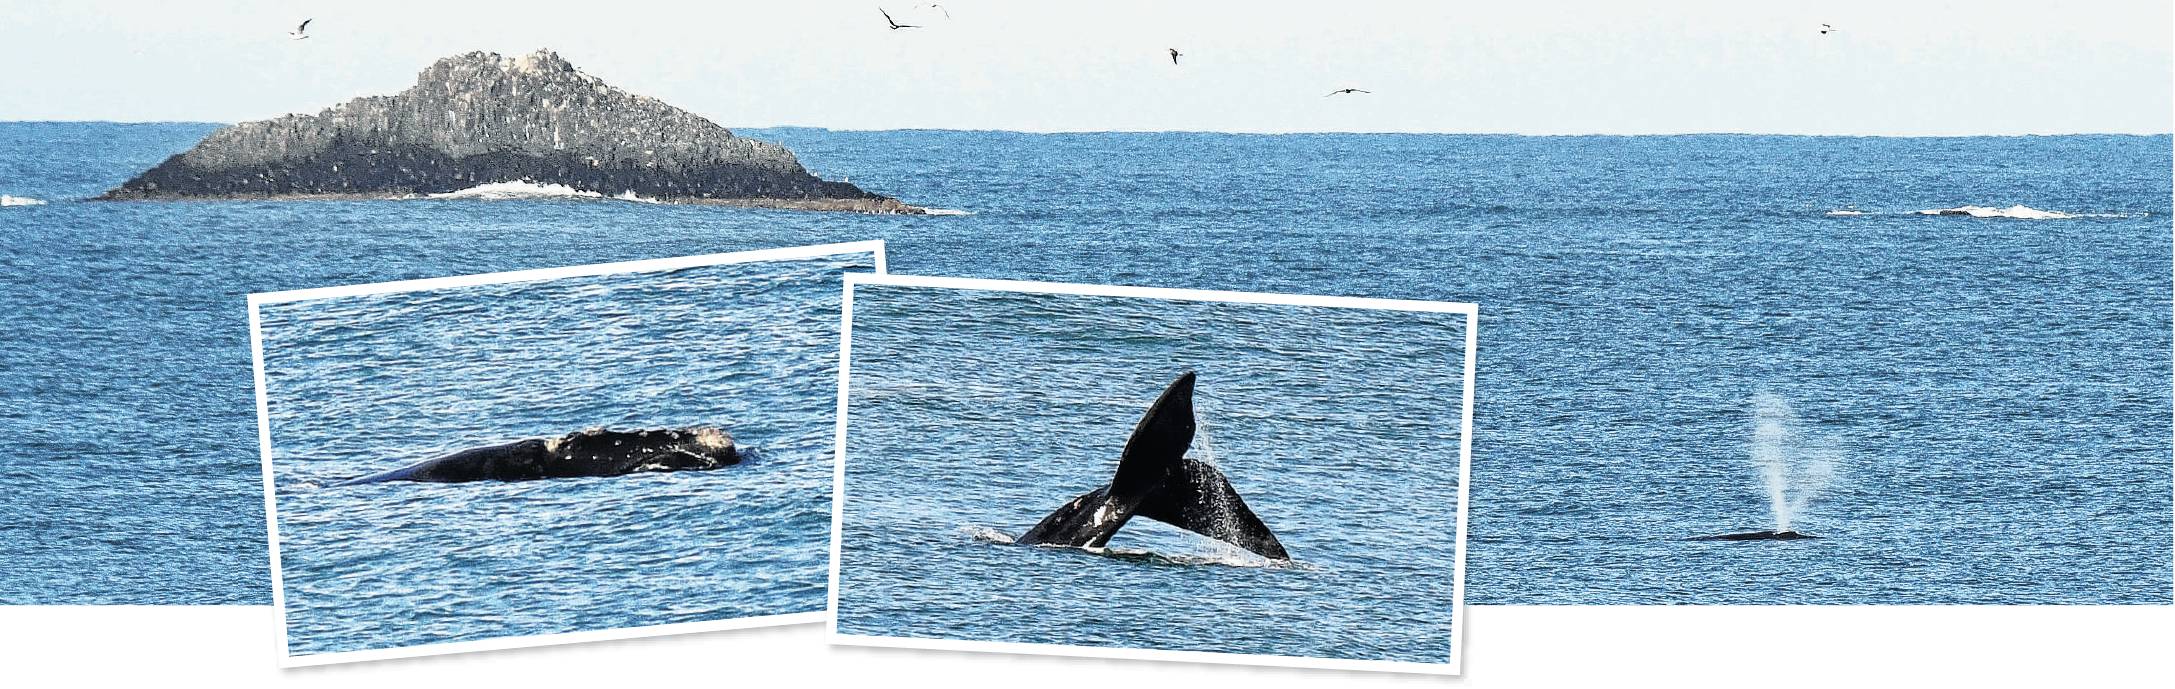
[[1826, 29], [299, 32], [1342, 91], [895, 25], [1174, 55], [939, 8]]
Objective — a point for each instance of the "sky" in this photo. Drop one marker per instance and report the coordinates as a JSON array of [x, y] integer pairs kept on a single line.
[[1527, 67]]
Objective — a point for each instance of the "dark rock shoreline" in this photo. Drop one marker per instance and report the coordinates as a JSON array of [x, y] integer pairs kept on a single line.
[[480, 118]]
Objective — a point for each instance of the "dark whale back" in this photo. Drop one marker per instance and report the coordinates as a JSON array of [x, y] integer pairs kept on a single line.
[[596, 452], [1757, 536], [1156, 480], [612, 453]]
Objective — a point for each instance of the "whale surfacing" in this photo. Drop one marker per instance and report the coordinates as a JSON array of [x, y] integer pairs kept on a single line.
[[594, 452], [1757, 536], [1156, 480]]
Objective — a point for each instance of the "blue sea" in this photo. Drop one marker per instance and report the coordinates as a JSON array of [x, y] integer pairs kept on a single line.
[[1994, 393], [972, 414], [362, 384]]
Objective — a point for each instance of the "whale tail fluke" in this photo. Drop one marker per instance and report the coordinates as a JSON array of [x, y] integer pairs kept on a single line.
[[1202, 501], [1156, 480], [1155, 452], [1087, 521]]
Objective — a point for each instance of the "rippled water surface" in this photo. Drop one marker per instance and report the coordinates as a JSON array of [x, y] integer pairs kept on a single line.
[[1998, 387], [358, 385], [973, 414]]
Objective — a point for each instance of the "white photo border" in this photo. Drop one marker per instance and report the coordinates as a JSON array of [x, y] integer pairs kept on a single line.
[[1453, 666], [264, 443]]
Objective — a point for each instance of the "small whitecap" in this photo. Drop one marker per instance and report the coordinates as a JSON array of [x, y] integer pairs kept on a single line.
[[523, 189], [2019, 211]]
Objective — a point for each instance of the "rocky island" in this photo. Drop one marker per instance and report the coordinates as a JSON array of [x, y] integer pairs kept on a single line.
[[479, 119]]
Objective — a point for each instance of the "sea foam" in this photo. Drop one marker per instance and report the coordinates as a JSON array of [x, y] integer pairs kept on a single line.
[[524, 189], [529, 190], [987, 535], [2019, 211], [6, 200]]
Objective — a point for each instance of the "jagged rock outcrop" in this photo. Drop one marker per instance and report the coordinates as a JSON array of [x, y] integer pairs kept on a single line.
[[481, 118]]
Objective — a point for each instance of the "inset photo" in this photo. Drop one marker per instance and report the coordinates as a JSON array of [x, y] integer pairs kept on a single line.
[[1162, 474], [551, 456]]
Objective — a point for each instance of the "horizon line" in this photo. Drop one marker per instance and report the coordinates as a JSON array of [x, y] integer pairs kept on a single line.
[[1264, 132]]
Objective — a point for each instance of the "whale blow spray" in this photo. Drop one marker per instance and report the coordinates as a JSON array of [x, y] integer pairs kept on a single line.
[[1795, 465]]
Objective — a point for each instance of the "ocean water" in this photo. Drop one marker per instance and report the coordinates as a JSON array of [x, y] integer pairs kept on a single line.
[[1996, 390], [363, 384], [973, 414]]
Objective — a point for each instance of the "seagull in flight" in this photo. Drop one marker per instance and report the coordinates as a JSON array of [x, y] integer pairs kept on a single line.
[[895, 25], [1826, 29], [1342, 91], [1174, 55], [300, 31], [939, 8]]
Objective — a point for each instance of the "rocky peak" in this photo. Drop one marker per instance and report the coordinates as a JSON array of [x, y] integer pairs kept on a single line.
[[542, 62], [479, 67], [481, 117]]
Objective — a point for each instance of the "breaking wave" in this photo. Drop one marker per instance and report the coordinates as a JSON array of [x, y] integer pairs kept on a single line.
[[501, 191], [528, 190], [944, 211], [6, 200], [2019, 211]]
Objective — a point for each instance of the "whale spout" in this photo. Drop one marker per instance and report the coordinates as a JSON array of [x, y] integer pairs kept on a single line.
[[1155, 479], [595, 452], [1757, 536]]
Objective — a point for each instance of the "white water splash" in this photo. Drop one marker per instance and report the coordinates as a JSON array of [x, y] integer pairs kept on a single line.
[[499, 191], [1795, 465], [1221, 554], [6, 200], [1226, 523], [2020, 212], [1203, 440], [987, 535], [1218, 553], [2016, 212], [525, 189]]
